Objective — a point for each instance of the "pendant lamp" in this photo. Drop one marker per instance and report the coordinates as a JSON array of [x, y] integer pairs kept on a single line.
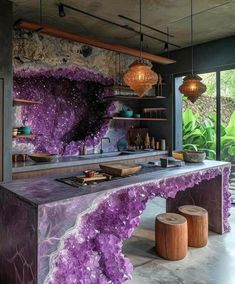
[[192, 86], [139, 77]]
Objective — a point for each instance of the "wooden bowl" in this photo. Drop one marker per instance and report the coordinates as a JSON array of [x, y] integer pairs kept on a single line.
[[194, 156], [42, 157], [178, 155]]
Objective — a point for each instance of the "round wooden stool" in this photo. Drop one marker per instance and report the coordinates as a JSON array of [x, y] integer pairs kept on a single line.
[[171, 236], [197, 218]]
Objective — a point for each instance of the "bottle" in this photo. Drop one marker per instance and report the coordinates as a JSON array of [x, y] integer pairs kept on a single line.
[[153, 143], [163, 144], [84, 150], [157, 145], [147, 141]]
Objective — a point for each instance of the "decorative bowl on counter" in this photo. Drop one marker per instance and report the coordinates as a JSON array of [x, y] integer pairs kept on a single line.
[[194, 156], [42, 157], [178, 155]]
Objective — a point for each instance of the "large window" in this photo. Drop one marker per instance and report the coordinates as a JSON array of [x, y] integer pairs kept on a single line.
[[209, 123]]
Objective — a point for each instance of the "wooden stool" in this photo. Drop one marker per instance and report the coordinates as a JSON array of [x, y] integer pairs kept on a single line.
[[197, 218], [171, 236]]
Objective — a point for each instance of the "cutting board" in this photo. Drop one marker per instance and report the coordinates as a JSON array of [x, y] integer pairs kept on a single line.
[[96, 177], [120, 169]]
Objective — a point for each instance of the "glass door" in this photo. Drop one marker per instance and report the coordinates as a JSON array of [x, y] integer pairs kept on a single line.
[[199, 119], [227, 141]]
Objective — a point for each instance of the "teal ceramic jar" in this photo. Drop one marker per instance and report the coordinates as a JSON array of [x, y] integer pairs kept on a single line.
[[26, 130]]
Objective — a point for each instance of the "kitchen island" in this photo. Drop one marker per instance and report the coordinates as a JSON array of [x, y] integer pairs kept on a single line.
[[55, 233]]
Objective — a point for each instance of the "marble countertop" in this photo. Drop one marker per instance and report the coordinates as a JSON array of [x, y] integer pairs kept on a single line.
[[69, 161], [44, 190]]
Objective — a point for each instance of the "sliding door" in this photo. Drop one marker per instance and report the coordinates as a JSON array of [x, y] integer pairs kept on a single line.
[[227, 91], [199, 119]]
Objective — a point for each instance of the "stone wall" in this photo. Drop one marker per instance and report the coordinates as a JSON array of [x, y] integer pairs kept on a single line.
[[206, 106]]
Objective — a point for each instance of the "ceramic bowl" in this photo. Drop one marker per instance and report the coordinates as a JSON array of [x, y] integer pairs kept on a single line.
[[126, 113], [194, 156], [42, 157], [26, 130]]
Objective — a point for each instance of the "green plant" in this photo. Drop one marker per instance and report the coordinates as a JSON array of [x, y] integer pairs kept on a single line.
[[228, 140], [202, 136], [198, 136]]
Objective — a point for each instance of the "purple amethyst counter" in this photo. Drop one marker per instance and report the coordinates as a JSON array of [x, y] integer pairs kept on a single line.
[[53, 233]]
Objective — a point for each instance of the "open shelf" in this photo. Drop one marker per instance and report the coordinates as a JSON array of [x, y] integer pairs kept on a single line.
[[30, 136], [126, 88], [20, 102], [136, 118], [122, 97]]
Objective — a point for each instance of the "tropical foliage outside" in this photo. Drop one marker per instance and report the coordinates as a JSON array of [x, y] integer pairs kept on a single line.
[[199, 120]]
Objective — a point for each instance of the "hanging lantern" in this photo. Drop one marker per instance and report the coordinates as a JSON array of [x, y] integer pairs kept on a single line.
[[140, 78], [192, 87]]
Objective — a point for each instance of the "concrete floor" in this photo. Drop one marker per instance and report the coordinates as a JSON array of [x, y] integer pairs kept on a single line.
[[213, 264]]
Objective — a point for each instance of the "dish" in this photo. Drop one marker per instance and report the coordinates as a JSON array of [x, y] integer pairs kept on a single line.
[[42, 157], [194, 156]]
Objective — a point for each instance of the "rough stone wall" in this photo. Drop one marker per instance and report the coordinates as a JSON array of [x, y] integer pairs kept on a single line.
[[37, 50], [206, 106]]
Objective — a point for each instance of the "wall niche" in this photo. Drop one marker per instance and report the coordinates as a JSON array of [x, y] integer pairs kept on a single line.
[[72, 109]]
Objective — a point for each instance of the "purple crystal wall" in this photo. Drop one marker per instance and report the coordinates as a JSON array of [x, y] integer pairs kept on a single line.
[[72, 108]]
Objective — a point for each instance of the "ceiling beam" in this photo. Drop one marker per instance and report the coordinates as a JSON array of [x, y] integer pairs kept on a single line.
[[93, 42]]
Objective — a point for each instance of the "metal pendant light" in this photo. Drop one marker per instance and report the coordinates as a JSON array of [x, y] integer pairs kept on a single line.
[[192, 86], [139, 77]]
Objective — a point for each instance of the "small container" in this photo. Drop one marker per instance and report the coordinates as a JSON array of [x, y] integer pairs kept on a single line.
[[157, 145], [14, 132], [163, 145], [84, 150], [26, 130], [89, 174]]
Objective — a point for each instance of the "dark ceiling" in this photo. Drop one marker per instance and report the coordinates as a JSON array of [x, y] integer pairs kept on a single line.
[[213, 19]]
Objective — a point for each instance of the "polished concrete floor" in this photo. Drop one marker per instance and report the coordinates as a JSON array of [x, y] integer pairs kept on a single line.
[[213, 264]]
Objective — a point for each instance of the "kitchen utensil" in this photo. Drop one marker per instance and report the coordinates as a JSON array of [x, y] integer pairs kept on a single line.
[[120, 169], [42, 157]]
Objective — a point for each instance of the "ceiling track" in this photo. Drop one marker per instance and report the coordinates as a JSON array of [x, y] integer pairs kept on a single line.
[[45, 29], [126, 27]]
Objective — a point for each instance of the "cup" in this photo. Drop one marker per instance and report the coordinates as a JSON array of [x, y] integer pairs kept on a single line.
[[89, 174]]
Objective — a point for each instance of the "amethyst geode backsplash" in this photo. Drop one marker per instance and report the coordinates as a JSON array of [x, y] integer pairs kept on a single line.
[[71, 89], [72, 110]]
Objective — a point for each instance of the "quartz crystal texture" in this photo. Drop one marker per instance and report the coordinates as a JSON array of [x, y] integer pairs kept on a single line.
[[91, 251], [72, 109]]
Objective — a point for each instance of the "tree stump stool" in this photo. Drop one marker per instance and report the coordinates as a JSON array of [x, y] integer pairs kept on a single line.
[[197, 218], [171, 236]]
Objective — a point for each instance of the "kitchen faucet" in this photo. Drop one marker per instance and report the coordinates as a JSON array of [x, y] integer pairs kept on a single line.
[[104, 138]]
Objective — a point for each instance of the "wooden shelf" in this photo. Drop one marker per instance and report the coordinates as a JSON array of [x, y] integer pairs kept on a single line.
[[122, 97], [30, 136], [136, 118], [20, 102]]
